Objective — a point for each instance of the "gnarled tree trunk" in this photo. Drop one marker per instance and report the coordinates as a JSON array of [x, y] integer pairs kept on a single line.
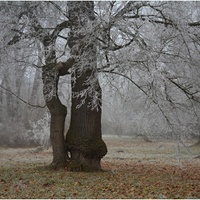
[[84, 137], [58, 111]]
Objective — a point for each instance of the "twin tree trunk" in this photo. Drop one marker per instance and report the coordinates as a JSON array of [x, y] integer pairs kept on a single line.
[[84, 137]]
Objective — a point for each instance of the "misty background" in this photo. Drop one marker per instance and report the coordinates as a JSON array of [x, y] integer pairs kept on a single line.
[[152, 94]]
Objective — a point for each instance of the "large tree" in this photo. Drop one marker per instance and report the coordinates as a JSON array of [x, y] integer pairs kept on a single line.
[[84, 137], [85, 121], [50, 77], [153, 45]]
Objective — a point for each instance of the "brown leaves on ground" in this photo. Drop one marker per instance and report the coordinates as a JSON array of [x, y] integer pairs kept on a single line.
[[119, 180], [132, 169]]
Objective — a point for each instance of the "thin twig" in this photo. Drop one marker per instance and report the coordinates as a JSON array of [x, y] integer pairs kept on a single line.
[[24, 101]]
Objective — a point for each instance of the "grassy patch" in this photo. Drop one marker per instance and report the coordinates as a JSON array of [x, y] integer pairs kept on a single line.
[[120, 180], [130, 171]]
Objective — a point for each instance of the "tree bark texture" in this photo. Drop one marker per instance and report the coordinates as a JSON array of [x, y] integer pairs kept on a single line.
[[58, 111], [58, 114], [84, 137]]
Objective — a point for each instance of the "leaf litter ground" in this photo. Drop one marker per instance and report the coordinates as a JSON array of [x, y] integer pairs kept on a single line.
[[132, 169]]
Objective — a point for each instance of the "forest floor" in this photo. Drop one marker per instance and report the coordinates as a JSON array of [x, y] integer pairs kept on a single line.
[[132, 169]]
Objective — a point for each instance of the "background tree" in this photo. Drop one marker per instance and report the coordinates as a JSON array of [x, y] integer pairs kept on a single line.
[[150, 47], [50, 74], [15, 84]]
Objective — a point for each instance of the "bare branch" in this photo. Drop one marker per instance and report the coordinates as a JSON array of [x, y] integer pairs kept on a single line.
[[125, 76], [189, 94], [194, 24], [59, 28], [63, 67], [58, 8], [24, 101]]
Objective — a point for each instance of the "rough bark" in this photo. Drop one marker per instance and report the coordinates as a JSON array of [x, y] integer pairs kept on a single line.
[[58, 113], [84, 137], [50, 77]]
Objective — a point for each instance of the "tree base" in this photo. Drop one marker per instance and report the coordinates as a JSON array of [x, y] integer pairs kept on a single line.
[[58, 164], [80, 162], [85, 155]]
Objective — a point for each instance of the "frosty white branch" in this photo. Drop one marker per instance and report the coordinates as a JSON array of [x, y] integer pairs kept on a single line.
[[189, 94]]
